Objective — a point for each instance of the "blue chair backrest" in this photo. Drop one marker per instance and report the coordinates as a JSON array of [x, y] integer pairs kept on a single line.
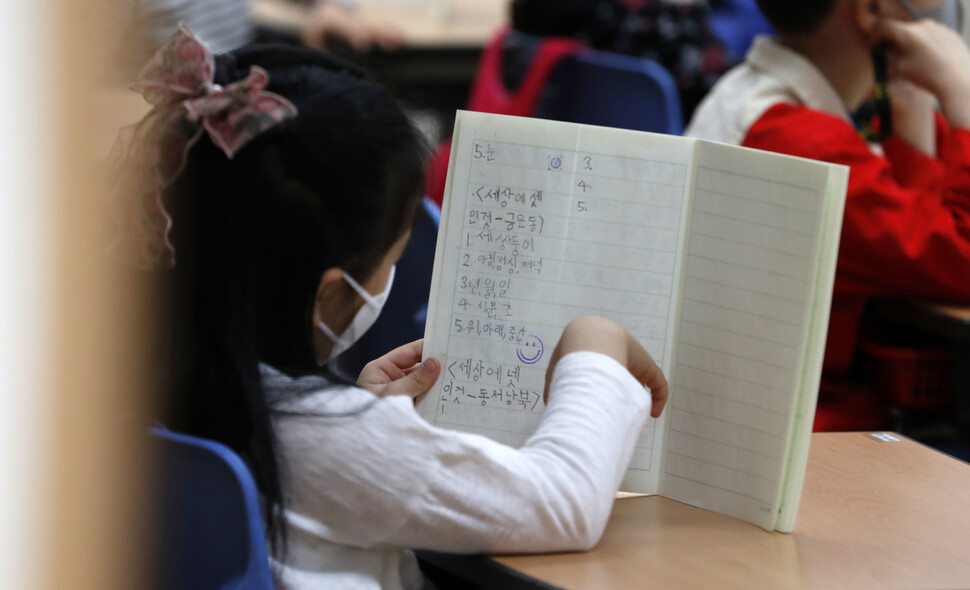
[[211, 530], [609, 89]]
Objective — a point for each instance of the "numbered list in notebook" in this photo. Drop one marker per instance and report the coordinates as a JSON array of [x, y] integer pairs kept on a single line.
[[547, 235]]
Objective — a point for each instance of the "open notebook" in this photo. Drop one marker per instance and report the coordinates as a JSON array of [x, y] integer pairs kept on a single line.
[[718, 259]]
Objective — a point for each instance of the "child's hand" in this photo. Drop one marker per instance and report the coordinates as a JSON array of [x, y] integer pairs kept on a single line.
[[932, 56], [607, 337], [913, 115], [330, 20], [400, 372]]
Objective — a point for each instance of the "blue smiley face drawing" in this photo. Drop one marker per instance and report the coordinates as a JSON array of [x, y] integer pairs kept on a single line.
[[530, 351]]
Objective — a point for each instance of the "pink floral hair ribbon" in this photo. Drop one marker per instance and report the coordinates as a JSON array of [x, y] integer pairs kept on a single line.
[[178, 82]]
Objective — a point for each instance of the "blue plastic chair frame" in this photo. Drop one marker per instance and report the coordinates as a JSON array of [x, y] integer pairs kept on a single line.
[[608, 89], [210, 528]]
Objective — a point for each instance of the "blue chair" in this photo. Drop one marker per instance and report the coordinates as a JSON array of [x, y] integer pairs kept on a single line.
[[609, 89], [211, 533]]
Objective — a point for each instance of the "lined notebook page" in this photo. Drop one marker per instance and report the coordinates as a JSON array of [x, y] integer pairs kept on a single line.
[[804, 412], [746, 302], [545, 222]]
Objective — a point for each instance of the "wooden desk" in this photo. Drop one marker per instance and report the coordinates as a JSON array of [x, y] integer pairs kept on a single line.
[[428, 24], [873, 515], [433, 71], [453, 23]]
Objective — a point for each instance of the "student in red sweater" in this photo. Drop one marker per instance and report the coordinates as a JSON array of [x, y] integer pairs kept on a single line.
[[907, 219]]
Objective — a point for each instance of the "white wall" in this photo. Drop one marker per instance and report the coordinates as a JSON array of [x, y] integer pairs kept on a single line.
[[26, 237]]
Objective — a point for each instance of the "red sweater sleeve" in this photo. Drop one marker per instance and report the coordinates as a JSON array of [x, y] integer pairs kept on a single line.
[[906, 229], [954, 145], [912, 168]]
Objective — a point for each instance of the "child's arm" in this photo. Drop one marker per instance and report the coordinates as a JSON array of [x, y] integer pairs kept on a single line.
[[934, 57], [326, 21], [906, 229], [597, 334], [384, 476], [914, 116], [555, 493]]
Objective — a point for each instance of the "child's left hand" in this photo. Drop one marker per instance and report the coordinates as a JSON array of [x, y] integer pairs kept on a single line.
[[400, 372]]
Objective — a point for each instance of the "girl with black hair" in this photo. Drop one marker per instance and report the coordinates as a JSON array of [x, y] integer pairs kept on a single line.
[[298, 185]]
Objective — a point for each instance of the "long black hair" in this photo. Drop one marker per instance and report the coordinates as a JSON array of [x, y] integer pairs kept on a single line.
[[334, 187]]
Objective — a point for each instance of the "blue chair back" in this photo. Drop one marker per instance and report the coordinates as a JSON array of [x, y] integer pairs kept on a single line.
[[609, 89], [211, 530]]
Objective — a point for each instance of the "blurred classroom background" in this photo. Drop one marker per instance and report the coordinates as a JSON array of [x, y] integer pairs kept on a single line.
[[72, 440]]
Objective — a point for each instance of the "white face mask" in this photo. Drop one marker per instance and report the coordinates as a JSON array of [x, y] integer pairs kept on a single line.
[[363, 320]]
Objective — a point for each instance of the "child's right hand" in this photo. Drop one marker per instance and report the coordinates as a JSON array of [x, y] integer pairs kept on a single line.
[[932, 56], [401, 372], [607, 337]]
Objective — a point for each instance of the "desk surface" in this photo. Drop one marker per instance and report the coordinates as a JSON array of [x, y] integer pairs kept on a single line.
[[873, 515], [426, 24], [441, 22]]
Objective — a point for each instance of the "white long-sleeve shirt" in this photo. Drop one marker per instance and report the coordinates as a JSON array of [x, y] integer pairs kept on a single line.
[[367, 479]]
